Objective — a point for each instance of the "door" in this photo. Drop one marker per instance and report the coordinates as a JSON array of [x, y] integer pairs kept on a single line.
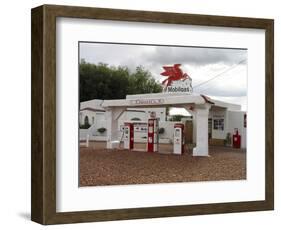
[[188, 131], [210, 121]]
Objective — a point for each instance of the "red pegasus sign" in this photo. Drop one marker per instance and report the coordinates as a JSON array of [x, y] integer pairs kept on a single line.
[[173, 73]]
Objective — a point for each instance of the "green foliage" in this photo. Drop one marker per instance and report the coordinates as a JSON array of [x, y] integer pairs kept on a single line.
[[86, 120], [227, 140], [141, 81], [176, 117], [161, 130], [85, 126], [135, 119], [101, 130], [107, 82], [168, 109]]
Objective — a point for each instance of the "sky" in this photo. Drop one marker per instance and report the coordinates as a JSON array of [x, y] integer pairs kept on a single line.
[[220, 73]]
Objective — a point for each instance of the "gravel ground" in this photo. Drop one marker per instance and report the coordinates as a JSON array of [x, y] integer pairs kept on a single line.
[[99, 166]]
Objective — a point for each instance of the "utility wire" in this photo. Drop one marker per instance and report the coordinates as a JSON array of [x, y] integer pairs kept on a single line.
[[218, 75], [210, 87]]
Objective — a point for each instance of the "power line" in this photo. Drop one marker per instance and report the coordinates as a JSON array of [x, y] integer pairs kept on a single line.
[[211, 86], [218, 75]]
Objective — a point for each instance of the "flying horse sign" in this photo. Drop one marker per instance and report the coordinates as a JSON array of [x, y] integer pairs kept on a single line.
[[176, 81]]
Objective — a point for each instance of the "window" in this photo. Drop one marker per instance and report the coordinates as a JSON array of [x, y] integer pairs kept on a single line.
[[219, 124]]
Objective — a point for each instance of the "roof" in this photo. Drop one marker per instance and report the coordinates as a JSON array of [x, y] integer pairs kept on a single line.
[[164, 99], [156, 100], [92, 105], [92, 109]]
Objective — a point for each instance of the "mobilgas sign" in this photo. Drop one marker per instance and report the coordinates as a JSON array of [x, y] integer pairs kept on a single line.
[[181, 86], [171, 89], [176, 81]]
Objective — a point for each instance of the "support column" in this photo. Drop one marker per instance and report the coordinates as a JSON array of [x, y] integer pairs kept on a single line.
[[201, 114], [112, 115], [194, 126]]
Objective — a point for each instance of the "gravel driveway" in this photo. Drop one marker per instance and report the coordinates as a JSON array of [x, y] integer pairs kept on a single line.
[[119, 167]]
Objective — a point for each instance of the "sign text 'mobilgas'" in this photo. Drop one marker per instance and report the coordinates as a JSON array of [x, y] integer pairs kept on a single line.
[[178, 89]]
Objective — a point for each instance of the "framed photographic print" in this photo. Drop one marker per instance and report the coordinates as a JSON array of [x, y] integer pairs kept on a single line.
[[140, 114]]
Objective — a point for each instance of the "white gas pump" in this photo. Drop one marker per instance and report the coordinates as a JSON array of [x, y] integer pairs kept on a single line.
[[128, 135], [178, 138]]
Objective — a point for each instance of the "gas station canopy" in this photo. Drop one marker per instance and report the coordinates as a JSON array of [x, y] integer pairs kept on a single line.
[[197, 105], [164, 99]]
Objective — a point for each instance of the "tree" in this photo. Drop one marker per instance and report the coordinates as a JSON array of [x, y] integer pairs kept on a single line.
[[108, 82], [177, 117], [142, 81]]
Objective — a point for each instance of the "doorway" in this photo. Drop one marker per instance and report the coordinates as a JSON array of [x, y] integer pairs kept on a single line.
[[188, 129], [210, 122]]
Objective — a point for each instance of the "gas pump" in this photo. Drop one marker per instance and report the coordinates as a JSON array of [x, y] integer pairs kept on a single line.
[[152, 135], [236, 139], [128, 135], [178, 138]]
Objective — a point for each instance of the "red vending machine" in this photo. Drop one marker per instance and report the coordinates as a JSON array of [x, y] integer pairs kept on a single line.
[[128, 135], [236, 139], [178, 138], [152, 135]]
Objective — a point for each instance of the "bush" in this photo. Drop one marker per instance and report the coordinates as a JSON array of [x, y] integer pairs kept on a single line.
[[177, 117], [161, 130], [101, 130], [227, 140], [85, 126], [135, 119]]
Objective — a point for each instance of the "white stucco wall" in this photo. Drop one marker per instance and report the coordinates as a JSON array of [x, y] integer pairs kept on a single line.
[[100, 120], [144, 113], [83, 134], [94, 105], [236, 120], [232, 120], [83, 114], [99, 123], [129, 115], [139, 135]]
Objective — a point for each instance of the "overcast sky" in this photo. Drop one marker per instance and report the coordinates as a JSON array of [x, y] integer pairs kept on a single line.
[[217, 72]]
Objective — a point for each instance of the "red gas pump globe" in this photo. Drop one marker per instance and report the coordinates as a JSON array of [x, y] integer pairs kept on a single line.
[[236, 139]]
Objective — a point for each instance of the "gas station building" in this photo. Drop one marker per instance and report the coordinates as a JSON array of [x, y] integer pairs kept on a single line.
[[212, 121]]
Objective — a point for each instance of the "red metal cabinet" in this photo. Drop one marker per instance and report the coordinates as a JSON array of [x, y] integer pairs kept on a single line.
[[152, 135], [236, 140]]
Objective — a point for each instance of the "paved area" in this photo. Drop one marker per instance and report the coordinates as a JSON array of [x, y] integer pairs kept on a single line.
[[99, 166]]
